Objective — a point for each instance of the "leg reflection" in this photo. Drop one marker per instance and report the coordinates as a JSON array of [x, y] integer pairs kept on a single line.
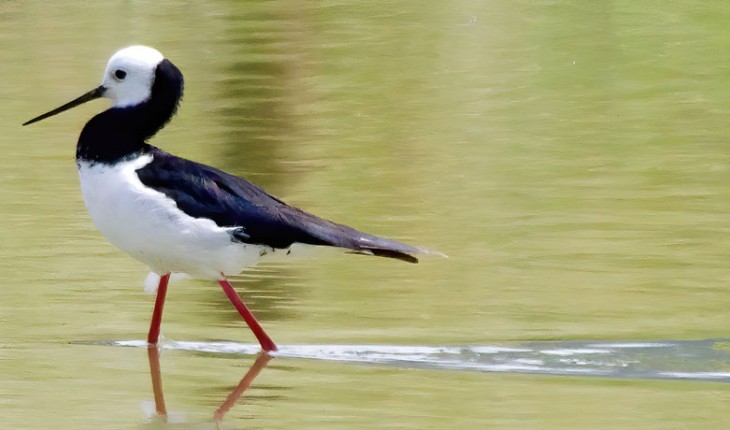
[[153, 353], [261, 361]]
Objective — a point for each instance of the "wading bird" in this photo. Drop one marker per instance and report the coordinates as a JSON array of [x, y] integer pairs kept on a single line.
[[176, 215]]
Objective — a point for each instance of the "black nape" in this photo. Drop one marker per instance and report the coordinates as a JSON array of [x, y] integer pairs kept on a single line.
[[119, 133]]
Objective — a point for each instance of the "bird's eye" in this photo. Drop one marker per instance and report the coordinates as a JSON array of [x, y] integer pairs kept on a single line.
[[120, 74]]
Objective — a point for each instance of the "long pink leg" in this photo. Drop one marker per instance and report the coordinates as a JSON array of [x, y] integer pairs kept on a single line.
[[154, 332], [266, 343]]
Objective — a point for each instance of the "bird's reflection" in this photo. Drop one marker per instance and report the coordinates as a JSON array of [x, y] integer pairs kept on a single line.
[[153, 354]]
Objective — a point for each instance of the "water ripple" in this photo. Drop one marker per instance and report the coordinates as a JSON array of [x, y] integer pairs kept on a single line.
[[676, 360]]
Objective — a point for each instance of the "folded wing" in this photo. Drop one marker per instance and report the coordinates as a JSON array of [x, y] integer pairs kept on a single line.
[[259, 218]]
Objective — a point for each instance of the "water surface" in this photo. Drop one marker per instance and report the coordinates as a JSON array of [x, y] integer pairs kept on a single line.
[[570, 157]]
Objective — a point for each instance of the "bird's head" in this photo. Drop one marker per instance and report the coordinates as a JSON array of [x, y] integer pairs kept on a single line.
[[129, 79]]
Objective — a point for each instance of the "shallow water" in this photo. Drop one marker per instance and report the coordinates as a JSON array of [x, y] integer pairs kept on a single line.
[[672, 360], [569, 157]]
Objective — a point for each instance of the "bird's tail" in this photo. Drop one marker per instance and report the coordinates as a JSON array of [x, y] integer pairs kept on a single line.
[[324, 232]]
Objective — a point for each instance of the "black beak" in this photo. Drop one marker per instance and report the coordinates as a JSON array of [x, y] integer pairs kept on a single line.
[[91, 95]]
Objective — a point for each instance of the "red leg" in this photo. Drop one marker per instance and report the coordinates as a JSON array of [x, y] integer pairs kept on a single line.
[[154, 333], [266, 343]]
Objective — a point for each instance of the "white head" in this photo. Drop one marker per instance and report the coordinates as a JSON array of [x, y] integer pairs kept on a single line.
[[130, 74]]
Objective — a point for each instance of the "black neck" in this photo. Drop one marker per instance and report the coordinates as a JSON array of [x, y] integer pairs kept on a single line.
[[118, 133]]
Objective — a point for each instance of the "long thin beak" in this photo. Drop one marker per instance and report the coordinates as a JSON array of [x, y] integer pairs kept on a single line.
[[91, 95]]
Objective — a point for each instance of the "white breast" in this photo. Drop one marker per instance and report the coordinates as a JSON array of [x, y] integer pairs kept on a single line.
[[149, 226]]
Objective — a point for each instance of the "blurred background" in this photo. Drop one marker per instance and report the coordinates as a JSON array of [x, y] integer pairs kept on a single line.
[[571, 158]]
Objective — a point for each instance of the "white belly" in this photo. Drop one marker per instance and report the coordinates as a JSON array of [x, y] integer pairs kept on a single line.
[[149, 226]]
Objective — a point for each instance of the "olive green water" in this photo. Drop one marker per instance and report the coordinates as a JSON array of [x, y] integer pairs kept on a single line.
[[570, 157]]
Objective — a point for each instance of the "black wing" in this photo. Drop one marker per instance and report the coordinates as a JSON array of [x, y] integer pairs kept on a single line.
[[205, 192]]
